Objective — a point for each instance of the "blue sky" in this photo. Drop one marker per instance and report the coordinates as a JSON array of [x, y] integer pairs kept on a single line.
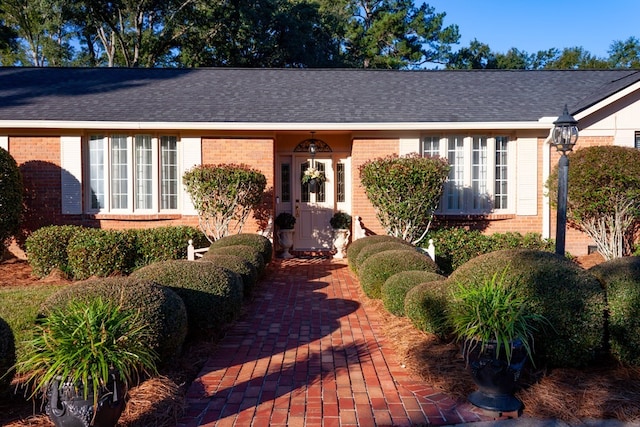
[[533, 25]]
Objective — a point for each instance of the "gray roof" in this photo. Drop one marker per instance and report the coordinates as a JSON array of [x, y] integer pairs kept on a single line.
[[226, 95]]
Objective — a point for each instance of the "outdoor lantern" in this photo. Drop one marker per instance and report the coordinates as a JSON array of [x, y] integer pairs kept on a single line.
[[564, 136], [312, 145]]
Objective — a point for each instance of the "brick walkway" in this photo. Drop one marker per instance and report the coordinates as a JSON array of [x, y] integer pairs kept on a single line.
[[306, 353]]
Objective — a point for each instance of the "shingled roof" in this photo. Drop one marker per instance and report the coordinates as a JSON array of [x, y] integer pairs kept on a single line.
[[340, 96]]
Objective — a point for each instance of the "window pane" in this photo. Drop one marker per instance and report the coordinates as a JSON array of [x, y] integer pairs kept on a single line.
[[169, 172], [431, 146], [96, 171], [306, 194], [500, 192], [479, 173], [454, 191], [340, 184], [144, 172], [321, 194], [119, 166], [285, 184]]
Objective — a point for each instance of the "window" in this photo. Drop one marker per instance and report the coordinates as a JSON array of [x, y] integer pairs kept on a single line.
[[133, 173], [478, 179], [637, 140]]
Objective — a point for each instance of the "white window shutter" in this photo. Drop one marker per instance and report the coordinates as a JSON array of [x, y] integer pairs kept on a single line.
[[71, 174], [4, 142], [408, 145], [191, 156], [527, 176]]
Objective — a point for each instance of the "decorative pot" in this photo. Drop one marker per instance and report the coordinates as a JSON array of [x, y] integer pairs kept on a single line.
[[67, 406], [340, 242], [496, 378], [285, 237]]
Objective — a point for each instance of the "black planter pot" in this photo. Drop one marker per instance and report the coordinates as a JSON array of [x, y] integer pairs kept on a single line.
[[313, 185], [495, 377], [67, 407]]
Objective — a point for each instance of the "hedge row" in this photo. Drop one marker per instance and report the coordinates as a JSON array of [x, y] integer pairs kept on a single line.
[[82, 252]]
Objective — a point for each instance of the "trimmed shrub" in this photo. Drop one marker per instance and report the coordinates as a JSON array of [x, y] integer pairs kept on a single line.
[[247, 239], [165, 243], [569, 297], [379, 267], [159, 306], [241, 266], [395, 288], [47, 248], [375, 248], [357, 245], [249, 253], [621, 279], [11, 190], [426, 306], [212, 295], [7, 355], [98, 252]]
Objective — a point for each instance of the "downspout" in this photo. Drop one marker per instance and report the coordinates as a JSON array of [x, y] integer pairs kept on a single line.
[[546, 171]]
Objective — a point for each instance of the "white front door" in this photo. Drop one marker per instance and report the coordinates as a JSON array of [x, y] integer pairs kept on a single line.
[[313, 210]]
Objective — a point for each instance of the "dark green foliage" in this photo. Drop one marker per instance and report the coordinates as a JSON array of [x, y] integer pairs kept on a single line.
[[455, 246], [212, 295], [374, 248], [285, 221], [250, 253], [160, 307], [395, 289], [47, 248], [357, 245], [98, 252], [379, 267], [621, 280], [241, 266], [340, 221], [165, 243], [7, 355], [258, 241], [10, 196], [569, 297], [426, 305]]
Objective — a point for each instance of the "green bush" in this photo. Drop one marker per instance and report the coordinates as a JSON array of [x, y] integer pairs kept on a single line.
[[47, 248], [165, 243], [426, 305], [395, 288], [375, 248], [357, 245], [569, 297], [379, 267], [7, 355], [159, 306], [11, 190], [212, 295], [98, 252], [241, 266], [249, 253], [621, 279], [247, 239]]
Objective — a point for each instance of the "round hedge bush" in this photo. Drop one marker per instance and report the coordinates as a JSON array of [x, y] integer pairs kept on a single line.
[[161, 308], [357, 245], [212, 294], [569, 297], [7, 355], [258, 241], [47, 248], [621, 279], [395, 288], [250, 253], [241, 266], [379, 267], [426, 306], [102, 253], [374, 248]]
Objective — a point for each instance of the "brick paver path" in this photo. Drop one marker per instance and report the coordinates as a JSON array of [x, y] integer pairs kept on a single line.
[[307, 353]]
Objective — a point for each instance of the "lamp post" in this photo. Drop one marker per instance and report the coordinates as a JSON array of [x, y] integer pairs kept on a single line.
[[312, 148], [564, 137]]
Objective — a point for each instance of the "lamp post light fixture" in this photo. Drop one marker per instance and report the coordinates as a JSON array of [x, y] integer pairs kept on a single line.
[[312, 148], [564, 136]]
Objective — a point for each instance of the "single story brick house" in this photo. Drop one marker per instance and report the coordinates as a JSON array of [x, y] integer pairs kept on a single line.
[[108, 146]]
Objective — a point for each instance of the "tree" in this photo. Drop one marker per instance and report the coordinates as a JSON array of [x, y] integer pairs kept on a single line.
[[476, 56], [575, 58], [625, 54], [223, 194], [10, 197], [603, 196], [405, 191]]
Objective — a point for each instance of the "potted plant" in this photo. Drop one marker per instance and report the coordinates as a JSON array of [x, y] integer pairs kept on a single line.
[[496, 330], [83, 358], [285, 223], [341, 224]]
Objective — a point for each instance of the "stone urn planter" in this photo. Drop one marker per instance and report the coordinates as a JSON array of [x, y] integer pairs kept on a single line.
[[285, 237], [340, 242]]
